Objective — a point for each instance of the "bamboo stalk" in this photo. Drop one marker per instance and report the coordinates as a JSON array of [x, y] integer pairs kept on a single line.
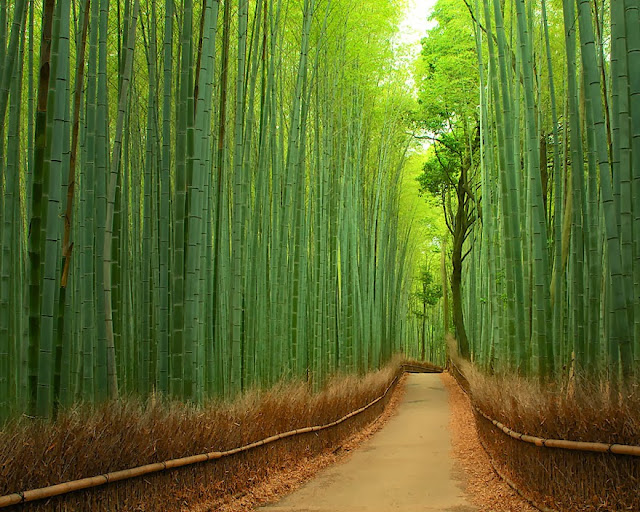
[[112, 382]]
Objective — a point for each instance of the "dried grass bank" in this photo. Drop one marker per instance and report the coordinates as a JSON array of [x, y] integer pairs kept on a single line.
[[560, 479], [131, 433]]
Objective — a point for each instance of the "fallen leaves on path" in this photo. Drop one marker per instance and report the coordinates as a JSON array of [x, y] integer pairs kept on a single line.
[[486, 490], [285, 480]]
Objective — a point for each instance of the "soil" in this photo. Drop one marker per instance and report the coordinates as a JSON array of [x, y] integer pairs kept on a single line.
[[486, 489], [427, 457], [405, 467], [285, 480]]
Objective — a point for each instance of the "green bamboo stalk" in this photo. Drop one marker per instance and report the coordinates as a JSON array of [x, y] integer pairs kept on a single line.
[[38, 209], [555, 291], [541, 314], [102, 140], [113, 178], [577, 187], [197, 213], [3, 29], [67, 244], [621, 147], [240, 185], [30, 112], [63, 335], [53, 167], [147, 282], [10, 257], [252, 288], [182, 382], [511, 228], [87, 227], [9, 57], [620, 332], [632, 11], [164, 207], [296, 161]]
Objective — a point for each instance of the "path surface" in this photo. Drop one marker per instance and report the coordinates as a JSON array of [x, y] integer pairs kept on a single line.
[[407, 466]]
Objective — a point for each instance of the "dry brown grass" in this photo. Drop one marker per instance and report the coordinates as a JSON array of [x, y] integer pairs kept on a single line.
[[561, 479], [286, 480], [485, 489], [82, 443]]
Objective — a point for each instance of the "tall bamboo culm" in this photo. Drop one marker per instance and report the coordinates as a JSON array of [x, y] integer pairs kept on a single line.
[[223, 217], [573, 240]]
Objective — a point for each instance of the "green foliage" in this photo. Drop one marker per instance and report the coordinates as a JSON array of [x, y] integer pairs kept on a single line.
[[422, 212], [448, 116], [448, 98], [446, 72], [441, 170], [236, 206], [429, 291]]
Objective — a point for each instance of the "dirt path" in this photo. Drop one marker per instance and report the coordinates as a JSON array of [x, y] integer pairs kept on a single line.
[[407, 466]]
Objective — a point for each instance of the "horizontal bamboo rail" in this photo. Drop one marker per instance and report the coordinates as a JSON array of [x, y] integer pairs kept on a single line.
[[583, 446], [541, 442], [126, 474], [511, 483]]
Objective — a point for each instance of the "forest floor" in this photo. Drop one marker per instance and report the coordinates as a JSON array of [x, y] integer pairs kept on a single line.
[[487, 491], [423, 454], [406, 466]]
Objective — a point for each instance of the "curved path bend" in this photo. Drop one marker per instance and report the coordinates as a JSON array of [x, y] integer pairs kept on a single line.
[[406, 466]]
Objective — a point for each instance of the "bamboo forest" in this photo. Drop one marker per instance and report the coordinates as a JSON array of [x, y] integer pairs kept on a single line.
[[233, 223]]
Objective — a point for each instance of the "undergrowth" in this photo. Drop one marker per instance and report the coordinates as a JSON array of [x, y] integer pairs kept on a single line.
[[561, 479], [85, 442]]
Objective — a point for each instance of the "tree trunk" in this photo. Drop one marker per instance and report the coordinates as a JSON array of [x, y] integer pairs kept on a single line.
[[445, 291], [458, 316], [424, 320]]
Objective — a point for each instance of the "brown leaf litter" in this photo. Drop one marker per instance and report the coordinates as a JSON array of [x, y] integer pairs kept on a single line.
[[486, 489], [284, 480]]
